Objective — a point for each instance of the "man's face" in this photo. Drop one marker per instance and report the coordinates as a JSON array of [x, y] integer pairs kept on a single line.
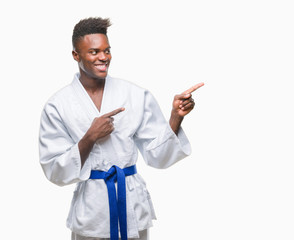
[[93, 55]]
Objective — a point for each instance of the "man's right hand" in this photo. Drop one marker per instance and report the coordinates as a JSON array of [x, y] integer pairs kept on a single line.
[[101, 127]]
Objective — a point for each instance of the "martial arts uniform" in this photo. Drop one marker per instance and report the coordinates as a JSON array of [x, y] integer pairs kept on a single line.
[[67, 116]]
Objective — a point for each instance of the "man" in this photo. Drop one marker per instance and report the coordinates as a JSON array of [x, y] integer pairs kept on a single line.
[[90, 132]]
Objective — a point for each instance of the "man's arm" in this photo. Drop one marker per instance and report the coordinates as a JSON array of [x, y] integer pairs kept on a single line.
[[100, 128]]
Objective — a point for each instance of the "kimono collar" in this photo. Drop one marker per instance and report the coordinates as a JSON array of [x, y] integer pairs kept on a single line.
[[86, 99]]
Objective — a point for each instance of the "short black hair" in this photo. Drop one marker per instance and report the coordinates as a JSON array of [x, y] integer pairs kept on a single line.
[[89, 26]]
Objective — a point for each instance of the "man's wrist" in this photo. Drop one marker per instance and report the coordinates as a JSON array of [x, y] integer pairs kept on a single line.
[[85, 147], [175, 122]]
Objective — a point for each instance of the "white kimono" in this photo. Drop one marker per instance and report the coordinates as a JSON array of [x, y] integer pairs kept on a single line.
[[64, 121]]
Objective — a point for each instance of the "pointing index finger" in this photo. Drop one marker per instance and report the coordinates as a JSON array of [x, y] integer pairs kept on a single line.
[[194, 88], [114, 112]]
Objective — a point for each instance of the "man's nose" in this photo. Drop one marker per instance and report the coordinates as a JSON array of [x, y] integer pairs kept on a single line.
[[102, 56]]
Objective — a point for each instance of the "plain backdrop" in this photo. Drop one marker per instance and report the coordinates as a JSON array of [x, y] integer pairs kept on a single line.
[[237, 183]]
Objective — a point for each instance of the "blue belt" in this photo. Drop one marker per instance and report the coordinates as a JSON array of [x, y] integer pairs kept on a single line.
[[117, 205]]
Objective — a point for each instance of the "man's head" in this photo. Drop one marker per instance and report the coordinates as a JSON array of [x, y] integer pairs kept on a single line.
[[89, 26], [91, 48]]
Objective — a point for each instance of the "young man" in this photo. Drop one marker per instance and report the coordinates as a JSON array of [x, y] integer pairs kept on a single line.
[[90, 132]]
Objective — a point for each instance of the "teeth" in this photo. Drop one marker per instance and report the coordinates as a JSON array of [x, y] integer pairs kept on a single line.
[[102, 67]]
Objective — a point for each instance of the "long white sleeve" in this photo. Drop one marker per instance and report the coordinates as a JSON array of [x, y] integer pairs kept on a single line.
[[158, 144], [59, 154]]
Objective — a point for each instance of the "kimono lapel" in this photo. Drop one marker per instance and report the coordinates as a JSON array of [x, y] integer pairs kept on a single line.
[[86, 100], [111, 96], [104, 101]]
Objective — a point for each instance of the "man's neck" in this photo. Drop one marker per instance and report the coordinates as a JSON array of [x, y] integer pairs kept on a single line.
[[92, 84]]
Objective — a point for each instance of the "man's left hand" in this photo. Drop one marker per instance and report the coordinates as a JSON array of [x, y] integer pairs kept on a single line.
[[184, 103]]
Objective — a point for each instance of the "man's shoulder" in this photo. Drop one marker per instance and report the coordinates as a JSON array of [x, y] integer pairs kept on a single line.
[[126, 84], [61, 94], [60, 98]]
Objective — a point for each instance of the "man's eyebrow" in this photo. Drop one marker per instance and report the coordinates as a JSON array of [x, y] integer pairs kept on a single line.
[[99, 48]]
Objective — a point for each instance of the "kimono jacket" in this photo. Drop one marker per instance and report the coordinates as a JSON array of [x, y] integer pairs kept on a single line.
[[65, 119]]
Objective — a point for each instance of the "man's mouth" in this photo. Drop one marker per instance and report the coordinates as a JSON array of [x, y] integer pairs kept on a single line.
[[102, 67]]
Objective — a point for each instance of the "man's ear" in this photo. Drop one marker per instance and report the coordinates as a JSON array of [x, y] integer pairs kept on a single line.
[[75, 55]]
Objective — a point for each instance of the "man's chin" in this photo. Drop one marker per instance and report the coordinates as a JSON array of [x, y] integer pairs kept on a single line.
[[101, 75]]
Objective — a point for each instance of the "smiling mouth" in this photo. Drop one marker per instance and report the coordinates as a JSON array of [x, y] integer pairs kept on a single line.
[[102, 67]]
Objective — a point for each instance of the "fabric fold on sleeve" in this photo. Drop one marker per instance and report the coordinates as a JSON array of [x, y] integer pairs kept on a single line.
[[59, 154], [158, 144]]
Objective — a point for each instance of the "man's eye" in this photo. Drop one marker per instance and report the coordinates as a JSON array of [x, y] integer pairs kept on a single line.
[[107, 51], [93, 52]]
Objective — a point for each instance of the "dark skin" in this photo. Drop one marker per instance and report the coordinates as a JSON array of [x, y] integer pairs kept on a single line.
[[93, 55]]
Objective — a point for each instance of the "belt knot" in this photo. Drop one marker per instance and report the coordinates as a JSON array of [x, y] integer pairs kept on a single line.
[[111, 174]]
